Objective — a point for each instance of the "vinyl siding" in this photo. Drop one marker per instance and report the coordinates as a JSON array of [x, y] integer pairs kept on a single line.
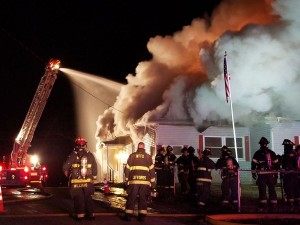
[[282, 131], [258, 131], [177, 135]]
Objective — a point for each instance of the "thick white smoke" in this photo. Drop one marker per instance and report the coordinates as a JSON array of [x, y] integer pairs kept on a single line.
[[184, 79]]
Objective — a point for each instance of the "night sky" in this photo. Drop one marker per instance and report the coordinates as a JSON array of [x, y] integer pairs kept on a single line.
[[106, 38]]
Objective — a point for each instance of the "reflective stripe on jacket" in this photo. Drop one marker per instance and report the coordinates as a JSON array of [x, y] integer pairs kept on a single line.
[[73, 167], [140, 169]]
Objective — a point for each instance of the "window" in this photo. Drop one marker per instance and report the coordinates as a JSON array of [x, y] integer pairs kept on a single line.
[[239, 146], [176, 149], [216, 143]]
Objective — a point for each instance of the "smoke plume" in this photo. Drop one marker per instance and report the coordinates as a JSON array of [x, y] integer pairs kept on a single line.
[[184, 79]]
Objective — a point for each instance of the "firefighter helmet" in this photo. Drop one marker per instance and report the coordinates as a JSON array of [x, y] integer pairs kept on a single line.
[[184, 149], [80, 143], [287, 142], [191, 150], [162, 150], [225, 150], [288, 146], [207, 151], [263, 141], [169, 148]]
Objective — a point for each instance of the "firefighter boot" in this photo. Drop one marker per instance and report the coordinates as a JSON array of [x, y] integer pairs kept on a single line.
[[235, 207], [142, 217], [274, 208], [90, 216], [126, 217], [77, 217]]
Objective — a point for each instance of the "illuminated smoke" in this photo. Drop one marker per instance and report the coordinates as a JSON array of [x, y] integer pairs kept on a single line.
[[93, 94], [184, 79]]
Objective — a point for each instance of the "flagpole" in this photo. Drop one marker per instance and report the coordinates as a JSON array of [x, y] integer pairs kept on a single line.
[[228, 97], [233, 127]]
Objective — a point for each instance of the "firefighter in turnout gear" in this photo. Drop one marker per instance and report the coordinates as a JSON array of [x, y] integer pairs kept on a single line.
[[297, 194], [164, 168], [171, 162], [162, 171], [171, 179], [228, 167], [265, 163], [193, 162], [183, 170], [204, 178], [81, 169], [140, 179], [289, 167]]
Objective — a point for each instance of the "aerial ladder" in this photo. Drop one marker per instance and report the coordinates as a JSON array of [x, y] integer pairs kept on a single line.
[[21, 170]]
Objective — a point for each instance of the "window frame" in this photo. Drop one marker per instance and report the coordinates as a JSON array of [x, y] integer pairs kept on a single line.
[[223, 142]]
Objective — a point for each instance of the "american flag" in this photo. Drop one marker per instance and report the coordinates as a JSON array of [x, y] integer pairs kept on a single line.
[[226, 79]]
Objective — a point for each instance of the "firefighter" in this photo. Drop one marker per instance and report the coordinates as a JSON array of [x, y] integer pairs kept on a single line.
[[204, 178], [171, 156], [164, 168], [140, 179], [170, 159], [193, 162], [265, 163], [81, 168], [228, 167], [183, 170], [297, 194], [162, 172], [289, 167], [158, 163]]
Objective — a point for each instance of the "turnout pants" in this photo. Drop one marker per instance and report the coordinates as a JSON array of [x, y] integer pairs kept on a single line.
[[229, 189], [83, 202], [264, 181], [290, 187], [137, 193], [183, 180], [203, 192]]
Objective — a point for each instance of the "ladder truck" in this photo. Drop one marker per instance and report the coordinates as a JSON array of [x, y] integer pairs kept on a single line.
[[20, 168]]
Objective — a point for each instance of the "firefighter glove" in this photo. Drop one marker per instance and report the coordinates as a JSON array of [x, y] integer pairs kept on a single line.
[[125, 185], [153, 185], [254, 176]]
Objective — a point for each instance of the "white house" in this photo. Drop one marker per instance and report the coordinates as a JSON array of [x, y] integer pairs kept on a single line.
[[179, 135]]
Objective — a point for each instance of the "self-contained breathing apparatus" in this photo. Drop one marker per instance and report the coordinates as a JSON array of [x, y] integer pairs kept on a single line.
[[79, 169], [228, 169], [80, 149], [267, 163]]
